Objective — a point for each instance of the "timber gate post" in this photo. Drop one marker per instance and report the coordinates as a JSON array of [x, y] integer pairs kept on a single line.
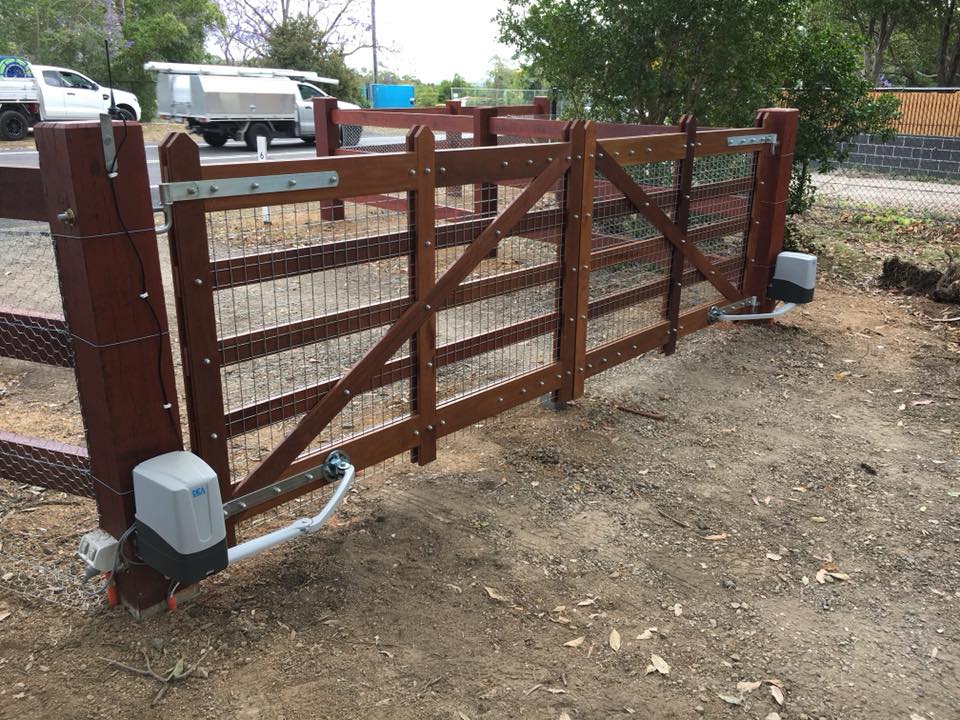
[[575, 273], [327, 140], [485, 195], [769, 212], [109, 267], [681, 218], [422, 273]]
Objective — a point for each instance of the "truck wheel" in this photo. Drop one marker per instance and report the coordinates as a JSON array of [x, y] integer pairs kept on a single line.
[[350, 135], [126, 114], [254, 131], [13, 125], [216, 139]]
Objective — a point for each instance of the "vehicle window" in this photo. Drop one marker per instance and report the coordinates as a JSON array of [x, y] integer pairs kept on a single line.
[[77, 81], [52, 78], [307, 92]]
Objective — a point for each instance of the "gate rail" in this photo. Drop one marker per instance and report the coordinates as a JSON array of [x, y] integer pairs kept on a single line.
[[594, 179]]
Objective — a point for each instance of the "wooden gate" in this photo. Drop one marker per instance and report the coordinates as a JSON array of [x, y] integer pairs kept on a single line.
[[388, 325]]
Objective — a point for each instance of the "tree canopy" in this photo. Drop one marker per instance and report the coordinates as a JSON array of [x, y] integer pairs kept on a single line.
[[651, 62]]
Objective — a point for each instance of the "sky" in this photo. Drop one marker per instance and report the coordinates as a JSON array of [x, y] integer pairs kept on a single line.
[[433, 39]]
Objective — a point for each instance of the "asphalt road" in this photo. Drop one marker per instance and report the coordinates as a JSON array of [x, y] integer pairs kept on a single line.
[[232, 152]]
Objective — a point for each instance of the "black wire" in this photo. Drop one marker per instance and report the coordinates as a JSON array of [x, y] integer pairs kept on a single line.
[[111, 176]]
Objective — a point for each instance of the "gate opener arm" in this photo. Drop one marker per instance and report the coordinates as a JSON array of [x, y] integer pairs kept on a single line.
[[716, 314], [339, 464]]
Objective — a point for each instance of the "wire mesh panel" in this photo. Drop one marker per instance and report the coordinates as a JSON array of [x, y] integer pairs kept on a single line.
[[46, 487], [630, 258], [503, 320], [298, 309], [719, 220]]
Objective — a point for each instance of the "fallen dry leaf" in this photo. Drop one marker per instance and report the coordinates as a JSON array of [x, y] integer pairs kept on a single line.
[[575, 643], [818, 519], [716, 538], [614, 640], [774, 556], [4, 615], [462, 715], [564, 716], [773, 716], [660, 665], [730, 698], [774, 681], [647, 634], [678, 609], [839, 575], [495, 595], [921, 402], [822, 576], [777, 694], [588, 601], [746, 687]]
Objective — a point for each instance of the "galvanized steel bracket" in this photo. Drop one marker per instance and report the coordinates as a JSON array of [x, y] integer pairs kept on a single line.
[[174, 192], [764, 139]]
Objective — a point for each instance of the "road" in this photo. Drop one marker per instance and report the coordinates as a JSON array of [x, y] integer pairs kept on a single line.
[[231, 153]]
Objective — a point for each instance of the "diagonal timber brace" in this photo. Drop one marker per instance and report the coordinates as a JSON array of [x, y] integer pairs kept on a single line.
[[656, 217], [416, 316]]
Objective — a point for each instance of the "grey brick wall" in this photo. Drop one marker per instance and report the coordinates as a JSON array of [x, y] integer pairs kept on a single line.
[[915, 155]]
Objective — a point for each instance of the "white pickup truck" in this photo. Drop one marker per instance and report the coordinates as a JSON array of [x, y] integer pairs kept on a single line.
[[56, 94], [225, 102]]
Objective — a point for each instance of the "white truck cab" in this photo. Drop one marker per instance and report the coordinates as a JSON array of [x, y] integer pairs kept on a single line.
[[55, 93]]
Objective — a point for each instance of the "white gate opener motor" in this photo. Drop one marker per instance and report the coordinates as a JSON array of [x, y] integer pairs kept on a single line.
[[794, 280], [179, 519]]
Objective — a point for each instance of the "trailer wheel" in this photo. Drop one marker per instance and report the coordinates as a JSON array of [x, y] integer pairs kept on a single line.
[[255, 131], [13, 125], [215, 139]]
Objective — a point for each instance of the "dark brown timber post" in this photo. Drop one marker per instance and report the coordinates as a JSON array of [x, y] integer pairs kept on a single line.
[[769, 212], [542, 104], [193, 286], [421, 212], [681, 218], [106, 251], [484, 194], [328, 142], [575, 273]]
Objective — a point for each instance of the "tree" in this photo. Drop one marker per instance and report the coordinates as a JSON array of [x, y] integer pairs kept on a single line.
[[299, 43], [877, 21], [171, 31], [315, 35], [54, 32], [650, 62], [445, 87]]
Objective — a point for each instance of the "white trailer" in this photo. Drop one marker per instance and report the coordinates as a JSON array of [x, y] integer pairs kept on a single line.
[[55, 93], [223, 102]]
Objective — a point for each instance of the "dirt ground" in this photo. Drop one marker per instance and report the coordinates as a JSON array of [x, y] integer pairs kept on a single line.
[[781, 543], [490, 583]]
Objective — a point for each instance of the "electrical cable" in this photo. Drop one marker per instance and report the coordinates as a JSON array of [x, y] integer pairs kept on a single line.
[[144, 294]]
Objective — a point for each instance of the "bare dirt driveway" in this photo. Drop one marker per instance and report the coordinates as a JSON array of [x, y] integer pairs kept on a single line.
[[783, 541]]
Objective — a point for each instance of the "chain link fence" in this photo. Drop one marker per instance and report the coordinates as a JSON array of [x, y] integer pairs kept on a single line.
[[916, 174]]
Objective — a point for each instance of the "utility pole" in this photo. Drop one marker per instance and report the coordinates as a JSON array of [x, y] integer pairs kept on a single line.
[[373, 29]]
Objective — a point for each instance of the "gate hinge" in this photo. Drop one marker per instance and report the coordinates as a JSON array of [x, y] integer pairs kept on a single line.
[[763, 139], [173, 192]]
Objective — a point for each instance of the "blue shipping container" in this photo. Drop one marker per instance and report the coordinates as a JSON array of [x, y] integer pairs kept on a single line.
[[390, 96]]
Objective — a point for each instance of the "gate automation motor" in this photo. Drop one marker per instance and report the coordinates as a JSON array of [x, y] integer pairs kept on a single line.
[[180, 524], [794, 280], [179, 521]]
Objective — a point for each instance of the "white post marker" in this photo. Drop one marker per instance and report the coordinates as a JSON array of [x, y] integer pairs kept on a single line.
[[262, 157]]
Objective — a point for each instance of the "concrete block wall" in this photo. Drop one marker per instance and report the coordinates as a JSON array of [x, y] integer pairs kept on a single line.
[[913, 155]]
